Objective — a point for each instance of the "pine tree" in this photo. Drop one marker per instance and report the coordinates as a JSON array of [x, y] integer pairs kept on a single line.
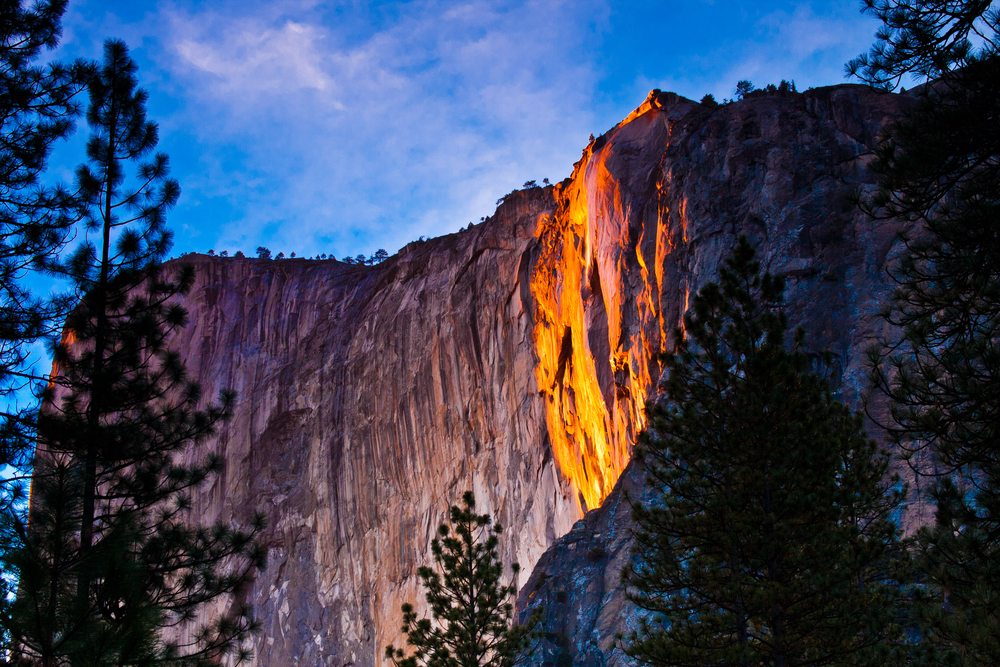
[[472, 610], [744, 88], [768, 538], [112, 558], [930, 39], [37, 108], [938, 168]]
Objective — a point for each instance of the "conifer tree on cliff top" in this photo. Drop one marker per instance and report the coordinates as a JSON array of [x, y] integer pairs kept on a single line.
[[113, 556], [768, 535], [472, 611], [938, 168]]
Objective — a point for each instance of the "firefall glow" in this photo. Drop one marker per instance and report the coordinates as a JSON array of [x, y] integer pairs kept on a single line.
[[650, 103], [578, 423], [579, 286]]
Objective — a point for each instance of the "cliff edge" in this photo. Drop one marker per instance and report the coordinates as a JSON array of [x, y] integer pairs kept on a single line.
[[514, 358]]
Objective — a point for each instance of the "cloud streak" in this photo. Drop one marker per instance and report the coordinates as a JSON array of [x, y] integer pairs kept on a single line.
[[344, 127], [261, 60], [413, 130]]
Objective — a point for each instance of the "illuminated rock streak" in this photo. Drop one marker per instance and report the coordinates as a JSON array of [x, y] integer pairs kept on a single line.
[[371, 397], [578, 418], [598, 329]]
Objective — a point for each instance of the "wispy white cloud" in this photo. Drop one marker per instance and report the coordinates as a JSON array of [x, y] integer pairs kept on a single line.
[[804, 32], [260, 59], [413, 130]]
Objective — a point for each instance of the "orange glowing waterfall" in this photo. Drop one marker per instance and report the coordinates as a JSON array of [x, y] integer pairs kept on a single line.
[[593, 371]]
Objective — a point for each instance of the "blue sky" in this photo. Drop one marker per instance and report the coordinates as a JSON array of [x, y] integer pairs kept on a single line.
[[345, 127]]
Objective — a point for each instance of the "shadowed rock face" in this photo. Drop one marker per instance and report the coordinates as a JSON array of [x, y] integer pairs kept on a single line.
[[514, 359], [778, 169]]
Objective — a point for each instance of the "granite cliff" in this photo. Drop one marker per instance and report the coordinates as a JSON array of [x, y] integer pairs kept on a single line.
[[514, 358]]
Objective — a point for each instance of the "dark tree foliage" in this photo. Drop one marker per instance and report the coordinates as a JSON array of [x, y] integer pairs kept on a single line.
[[112, 556], [472, 611], [744, 88], [37, 107], [929, 38], [768, 538], [938, 168]]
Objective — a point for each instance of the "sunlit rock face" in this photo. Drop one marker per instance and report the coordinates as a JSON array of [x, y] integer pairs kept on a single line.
[[369, 400], [514, 359], [671, 199], [603, 311]]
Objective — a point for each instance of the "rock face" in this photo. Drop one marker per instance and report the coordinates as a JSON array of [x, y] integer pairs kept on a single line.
[[778, 169], [369, 400], [576, 584], [514, 359]]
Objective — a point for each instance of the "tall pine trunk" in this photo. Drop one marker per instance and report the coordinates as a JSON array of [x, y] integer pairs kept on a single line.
[[98, 386]]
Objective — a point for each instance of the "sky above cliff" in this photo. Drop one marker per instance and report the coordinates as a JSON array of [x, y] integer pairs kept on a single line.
[[344, 127]]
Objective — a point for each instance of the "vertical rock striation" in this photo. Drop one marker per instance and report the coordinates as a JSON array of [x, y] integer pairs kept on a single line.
[[369, 399], [513, 359]]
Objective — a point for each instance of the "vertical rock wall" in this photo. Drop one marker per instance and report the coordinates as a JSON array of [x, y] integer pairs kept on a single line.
[[512, 359], [780, 170], [369, 399]]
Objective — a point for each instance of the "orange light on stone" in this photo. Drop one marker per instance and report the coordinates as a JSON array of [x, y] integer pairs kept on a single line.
[[591, 425]]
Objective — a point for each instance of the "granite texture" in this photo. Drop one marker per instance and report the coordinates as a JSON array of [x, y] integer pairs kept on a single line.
[[779, 169], [514, 358]]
